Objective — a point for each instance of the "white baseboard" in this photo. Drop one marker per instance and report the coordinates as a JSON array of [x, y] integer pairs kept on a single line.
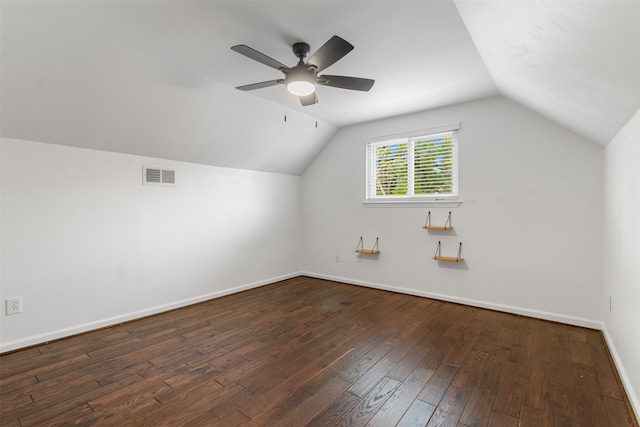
[[111, 321], [555, 317], [633, 398]]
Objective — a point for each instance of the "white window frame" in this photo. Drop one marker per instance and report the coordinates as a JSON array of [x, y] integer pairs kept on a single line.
[[448, 200]]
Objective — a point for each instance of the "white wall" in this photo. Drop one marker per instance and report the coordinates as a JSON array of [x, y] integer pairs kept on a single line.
[[622, 254], [530, 222], [85, 244]]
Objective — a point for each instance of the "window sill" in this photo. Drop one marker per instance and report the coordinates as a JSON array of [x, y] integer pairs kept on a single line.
[[411, 203]]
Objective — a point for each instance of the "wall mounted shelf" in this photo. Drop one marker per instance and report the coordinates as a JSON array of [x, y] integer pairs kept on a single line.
[[458, 258], [360, 249], [447, 225]]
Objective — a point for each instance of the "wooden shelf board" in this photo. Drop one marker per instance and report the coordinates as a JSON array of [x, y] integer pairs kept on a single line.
[[368, 251], [438, 227], [448, 258]]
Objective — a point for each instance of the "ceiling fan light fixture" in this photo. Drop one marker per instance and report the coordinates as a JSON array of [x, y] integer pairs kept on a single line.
[[301, 88], [302, 79]]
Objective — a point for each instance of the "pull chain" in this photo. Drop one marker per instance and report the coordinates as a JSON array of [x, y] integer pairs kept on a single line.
[[316, 110], [286, 99], [285, 104]]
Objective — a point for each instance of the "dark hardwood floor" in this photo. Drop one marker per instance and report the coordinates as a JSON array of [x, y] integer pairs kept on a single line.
[[308, 352]]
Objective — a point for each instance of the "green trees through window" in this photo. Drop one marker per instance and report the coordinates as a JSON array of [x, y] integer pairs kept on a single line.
[[433, 162], [421, 166], [391, 169]]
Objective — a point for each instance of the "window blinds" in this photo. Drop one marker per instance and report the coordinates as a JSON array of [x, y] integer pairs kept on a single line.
[[424, 166], [435, 164]]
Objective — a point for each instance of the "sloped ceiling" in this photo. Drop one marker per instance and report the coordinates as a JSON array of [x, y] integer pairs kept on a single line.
[[575, 62], [157, 78]]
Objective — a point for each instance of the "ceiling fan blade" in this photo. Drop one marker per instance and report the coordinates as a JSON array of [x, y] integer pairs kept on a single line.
[[258, 56], [261, 85], [344, 82], [330, 52], [309, 99]]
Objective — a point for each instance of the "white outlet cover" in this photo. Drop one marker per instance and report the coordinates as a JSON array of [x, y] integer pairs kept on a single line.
[[14, 305]]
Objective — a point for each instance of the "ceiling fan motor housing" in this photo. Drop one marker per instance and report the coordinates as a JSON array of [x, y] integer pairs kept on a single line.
[[301, 50]]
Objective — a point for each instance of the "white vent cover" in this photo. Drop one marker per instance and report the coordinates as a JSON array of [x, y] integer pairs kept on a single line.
[[157, 176]]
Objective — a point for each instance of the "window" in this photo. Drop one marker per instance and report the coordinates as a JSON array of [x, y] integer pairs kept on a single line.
[[421, 166]]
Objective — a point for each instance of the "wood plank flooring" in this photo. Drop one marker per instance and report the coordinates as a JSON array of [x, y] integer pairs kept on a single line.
[[309, 352]]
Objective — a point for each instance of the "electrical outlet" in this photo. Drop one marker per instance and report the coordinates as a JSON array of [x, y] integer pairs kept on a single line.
[[337, 257], [14, 305]]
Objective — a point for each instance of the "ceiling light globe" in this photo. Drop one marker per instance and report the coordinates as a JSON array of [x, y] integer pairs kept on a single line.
[[301, 88]]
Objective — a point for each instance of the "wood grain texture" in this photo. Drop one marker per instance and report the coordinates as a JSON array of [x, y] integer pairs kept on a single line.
[[310, 352]]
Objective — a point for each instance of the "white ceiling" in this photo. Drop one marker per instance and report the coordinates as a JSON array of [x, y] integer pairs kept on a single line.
[[157, 78], [575, 62]]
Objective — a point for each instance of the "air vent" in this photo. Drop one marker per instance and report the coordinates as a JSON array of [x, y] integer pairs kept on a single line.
[[157, 176]]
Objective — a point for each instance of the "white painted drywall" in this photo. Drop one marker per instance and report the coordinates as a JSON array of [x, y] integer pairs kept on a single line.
[[85, 244], [622, 254], [530, 222]]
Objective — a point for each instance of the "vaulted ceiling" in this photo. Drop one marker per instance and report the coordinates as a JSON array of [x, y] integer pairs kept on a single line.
[[158, 78]]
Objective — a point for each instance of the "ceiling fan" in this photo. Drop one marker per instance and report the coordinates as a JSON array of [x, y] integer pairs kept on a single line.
[[301, 80]]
